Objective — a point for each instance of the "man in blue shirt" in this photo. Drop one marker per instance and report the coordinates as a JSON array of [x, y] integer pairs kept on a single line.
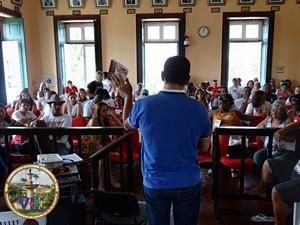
[[173, 127]]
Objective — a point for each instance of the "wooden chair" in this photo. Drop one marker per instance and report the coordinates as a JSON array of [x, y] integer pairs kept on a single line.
[[9, 217], [118, 208]]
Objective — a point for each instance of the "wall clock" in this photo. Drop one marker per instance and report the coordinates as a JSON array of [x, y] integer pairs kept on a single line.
[[203, 31]]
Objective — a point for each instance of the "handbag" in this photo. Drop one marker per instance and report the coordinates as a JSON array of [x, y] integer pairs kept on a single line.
[[235, 151]]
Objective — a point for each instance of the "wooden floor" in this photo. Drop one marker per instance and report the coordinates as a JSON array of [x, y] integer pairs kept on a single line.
[[232, 212]]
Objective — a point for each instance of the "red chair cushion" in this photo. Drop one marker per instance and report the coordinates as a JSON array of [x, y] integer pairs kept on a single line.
[[19, 139], [21, 158]]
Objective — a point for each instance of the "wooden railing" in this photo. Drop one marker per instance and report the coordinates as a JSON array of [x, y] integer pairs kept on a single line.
[[79, 131]]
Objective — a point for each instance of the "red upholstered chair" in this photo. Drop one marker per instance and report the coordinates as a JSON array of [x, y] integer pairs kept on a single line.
[[10, 112], [77, 122], [228, 162], [204, 159], [115, 157], [254, 143]]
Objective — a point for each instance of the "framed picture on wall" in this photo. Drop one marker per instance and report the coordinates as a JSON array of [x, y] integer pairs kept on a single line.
[[270, 2], [76, 3], [48, 4], [131, 3], [159, 3], [17, 2], [102, 3], [216, 2], [246, 2], [186, 2]]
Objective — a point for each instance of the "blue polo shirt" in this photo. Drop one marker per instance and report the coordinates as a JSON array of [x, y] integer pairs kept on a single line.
[[171, 124]]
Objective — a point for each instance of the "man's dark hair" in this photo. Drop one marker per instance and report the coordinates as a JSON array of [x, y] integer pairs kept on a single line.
[[177, 70], [69, 82], [99, 91]]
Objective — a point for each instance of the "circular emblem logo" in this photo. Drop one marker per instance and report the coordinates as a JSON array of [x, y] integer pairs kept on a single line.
[[31, 191]]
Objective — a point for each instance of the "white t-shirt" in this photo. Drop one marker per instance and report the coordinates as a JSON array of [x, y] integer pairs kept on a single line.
[[265, 108], [64, 120], [240, 101], [27, 118], [235, 91], [88, 109], [107, 85]]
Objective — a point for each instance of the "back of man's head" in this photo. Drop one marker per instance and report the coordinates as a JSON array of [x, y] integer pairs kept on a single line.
[[177, 70]]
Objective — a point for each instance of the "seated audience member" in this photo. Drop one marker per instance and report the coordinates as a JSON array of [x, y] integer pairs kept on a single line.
[[23, 115], [235, 90], [190, 89], [242, 103], [88, 109], [107, 99], [239, 82], [273, 86], [107, 84], [144, 93], [205, 85], [103, 117], [283, 93], [200, 96], [209, 100], [294, 113], [287, 172], [46, 108], [215, 103], [256, 87], [82, 96], [269, 96], [72, 106], [42, 100], [296, 92], [225, 116], [214, 89], [283, 149], [137, 92], [55, 119], [70, 88], [43, 85], [95, 84], [250, 84], [289, 88], [119, 105], [259, 106], [5, 121], [25, 95]]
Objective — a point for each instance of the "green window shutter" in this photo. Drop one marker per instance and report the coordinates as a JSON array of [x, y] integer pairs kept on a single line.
[[14, 31]]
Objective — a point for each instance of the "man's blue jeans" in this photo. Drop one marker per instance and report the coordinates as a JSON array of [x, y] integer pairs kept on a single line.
[[186, 204]]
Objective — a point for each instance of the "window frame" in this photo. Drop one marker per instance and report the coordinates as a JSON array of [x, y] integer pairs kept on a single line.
[[140, 18], [244, 24], [96, 20], [161, 26], [81, 26]]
